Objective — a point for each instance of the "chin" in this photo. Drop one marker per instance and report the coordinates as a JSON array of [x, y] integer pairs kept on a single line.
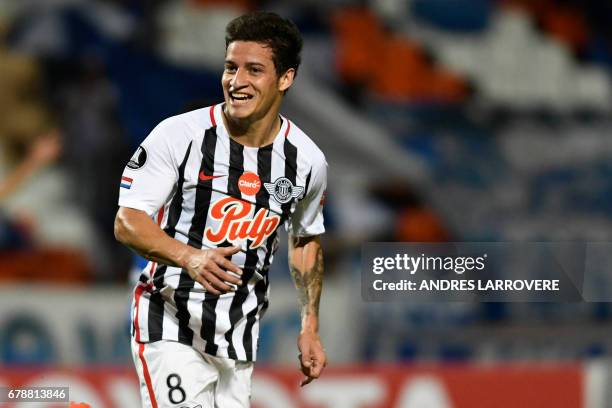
[[239, 112]]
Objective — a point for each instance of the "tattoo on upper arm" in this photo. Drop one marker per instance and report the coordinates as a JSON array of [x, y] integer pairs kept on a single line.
[[309, 283]]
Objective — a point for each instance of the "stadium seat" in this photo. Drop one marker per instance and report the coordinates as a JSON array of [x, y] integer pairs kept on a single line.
[[392, 67], [457, 15], [359, 39]]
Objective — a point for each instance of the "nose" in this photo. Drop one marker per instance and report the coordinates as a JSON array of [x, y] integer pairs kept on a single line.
[[239, 79]]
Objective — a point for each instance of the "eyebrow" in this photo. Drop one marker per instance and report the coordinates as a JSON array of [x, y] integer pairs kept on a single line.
[[248, 64]]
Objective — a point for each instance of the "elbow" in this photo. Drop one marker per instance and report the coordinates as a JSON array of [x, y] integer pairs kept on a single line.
[[121, 229]]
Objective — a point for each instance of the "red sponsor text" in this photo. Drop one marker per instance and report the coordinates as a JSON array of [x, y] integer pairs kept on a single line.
[[236, 223]]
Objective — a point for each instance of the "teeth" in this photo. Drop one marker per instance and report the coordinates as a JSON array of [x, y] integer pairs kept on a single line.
[[240, 96]]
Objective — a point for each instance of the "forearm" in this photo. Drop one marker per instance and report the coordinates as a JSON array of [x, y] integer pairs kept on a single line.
[[137, 230], [306, 265], [43, 151]]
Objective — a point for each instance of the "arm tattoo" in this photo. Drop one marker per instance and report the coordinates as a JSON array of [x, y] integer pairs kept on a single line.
[[309, 283]]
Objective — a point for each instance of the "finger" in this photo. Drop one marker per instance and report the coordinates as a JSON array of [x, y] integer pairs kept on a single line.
[[228, 265], [305, 370], [217, 284], [229, 277], [315, 369], [321, 359], [221, 286], [223, 275], [306, 381], [306, 362], [228, 251], [208, 287]]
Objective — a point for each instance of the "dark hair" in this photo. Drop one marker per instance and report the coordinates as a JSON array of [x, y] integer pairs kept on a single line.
[[278, 33]]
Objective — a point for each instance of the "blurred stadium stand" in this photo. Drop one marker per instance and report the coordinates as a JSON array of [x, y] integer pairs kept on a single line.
[[442, 120]]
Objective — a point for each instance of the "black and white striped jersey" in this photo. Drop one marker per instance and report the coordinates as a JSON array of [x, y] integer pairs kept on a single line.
[[207, 190]]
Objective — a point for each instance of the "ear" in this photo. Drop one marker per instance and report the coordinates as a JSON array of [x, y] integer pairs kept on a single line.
[[286, 80]]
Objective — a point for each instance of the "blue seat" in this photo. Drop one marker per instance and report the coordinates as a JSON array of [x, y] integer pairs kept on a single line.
[[454, 15]]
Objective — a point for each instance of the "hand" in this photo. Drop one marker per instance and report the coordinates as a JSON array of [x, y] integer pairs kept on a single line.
[[46, 148], [211, 269], [312, 356]]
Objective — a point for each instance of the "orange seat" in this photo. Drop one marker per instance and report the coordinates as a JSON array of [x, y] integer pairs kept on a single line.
[[420, 225], [391, 67], [404, 74], [359, 39], [567, 25], [44, 265]]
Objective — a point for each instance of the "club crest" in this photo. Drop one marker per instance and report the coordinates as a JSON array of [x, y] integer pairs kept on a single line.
[[282, 190]]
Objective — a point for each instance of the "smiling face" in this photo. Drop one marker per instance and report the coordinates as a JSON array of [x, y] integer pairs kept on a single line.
[[251, 86]]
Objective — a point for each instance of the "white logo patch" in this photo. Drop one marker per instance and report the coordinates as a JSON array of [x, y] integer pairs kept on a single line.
[[283, 190]]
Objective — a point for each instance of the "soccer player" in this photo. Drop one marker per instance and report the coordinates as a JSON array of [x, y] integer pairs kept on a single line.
[[202, 199]]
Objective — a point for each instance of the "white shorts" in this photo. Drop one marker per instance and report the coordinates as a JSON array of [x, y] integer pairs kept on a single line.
[[174, 375]]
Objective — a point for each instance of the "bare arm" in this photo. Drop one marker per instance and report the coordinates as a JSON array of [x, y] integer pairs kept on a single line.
[[45, 149], [306, 265], [135, 229]]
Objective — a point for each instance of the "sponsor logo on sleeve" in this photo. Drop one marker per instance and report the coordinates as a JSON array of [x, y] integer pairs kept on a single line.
[[138, 159], [282, 190]]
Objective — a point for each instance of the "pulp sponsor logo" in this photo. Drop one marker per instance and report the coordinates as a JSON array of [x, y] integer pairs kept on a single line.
[[249, 183], [238, 224]]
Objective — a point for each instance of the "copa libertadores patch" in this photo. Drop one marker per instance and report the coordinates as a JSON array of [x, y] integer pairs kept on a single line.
[[138, 159]]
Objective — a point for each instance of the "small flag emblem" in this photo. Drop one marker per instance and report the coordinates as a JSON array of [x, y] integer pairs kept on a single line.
[[126, 182]]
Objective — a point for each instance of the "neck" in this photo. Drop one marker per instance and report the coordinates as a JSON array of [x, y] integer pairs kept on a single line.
[[256, 133]]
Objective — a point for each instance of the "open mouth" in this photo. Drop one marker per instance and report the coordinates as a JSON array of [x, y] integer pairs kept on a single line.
[[239, 97]]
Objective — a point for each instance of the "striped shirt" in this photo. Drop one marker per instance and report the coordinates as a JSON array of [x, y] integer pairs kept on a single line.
[[207, 190]]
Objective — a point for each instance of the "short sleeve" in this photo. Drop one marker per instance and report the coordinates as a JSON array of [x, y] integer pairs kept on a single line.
[[307, 219], [150, 175]]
